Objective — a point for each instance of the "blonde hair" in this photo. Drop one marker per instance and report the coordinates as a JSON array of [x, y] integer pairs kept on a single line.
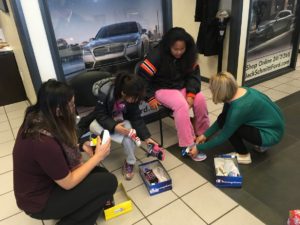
[[223, 87]]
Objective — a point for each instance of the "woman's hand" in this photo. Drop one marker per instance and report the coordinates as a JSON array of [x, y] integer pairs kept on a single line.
[[150, 141], [154, 104], [193, 152], [201, 139], [190, 101], [88, 149], [102, 150], [119, 128]]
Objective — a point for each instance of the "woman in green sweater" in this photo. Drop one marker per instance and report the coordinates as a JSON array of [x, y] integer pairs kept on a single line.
[[247, 115]]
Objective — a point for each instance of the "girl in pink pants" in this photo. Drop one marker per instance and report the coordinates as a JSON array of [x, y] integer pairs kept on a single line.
[[176, 101], [173, 79]]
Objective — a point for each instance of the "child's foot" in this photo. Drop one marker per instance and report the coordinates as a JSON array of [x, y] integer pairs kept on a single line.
[[200, 157], [156, 151], [134, 137], [127, 171]]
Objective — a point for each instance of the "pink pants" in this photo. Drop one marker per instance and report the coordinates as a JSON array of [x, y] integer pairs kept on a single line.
[[176, 101]]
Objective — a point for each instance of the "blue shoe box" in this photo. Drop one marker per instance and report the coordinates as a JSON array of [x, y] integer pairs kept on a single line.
[[227, 171], [163, 181]]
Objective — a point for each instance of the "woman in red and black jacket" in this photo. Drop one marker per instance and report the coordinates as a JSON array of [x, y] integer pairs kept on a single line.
[[173, 80]]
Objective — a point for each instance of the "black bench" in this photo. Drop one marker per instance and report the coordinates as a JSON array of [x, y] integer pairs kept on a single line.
[[83, 83]]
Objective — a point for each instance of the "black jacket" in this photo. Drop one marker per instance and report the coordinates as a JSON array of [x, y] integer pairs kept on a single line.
[[207, 41], [168, 77], [104, 91]]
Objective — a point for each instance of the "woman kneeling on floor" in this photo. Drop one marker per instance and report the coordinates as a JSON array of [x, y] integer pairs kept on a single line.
[[50, 179], [247, 115]]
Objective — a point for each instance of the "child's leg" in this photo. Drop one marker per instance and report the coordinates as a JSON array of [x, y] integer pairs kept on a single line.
[[176, 101], [201, 120], [127, 143]]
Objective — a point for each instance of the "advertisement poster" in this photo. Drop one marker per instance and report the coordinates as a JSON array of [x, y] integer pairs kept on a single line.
[[104, 34], [272, 23]]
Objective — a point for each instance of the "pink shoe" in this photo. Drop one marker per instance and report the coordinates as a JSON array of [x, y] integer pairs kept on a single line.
[[156, 151]]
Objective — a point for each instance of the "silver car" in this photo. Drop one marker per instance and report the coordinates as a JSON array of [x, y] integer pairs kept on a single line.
[[116, 44]]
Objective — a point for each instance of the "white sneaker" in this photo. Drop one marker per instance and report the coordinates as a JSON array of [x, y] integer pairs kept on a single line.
[[242, 159]]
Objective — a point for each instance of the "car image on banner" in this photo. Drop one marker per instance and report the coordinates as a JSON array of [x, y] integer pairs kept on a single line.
[[116, 44]]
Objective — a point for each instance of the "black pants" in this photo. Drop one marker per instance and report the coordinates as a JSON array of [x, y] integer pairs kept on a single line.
[[83, 204], [244, 132]]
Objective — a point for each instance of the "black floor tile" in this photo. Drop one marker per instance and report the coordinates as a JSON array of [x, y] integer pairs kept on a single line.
[[271, 183]]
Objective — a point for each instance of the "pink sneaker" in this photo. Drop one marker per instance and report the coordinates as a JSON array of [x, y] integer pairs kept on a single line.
[[127, 171], [156, 151], [134, 137]]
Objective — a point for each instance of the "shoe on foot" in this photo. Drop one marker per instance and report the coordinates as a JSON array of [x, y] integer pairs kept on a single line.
[[127, 171], [260, 149], [200, 157], [241, 158], [132, 135], [156, 151]]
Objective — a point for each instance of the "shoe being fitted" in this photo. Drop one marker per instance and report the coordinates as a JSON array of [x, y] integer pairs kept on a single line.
[[156, 151], [132, 135], [242, 159], [260, 149], [200, 157], [127, 171]]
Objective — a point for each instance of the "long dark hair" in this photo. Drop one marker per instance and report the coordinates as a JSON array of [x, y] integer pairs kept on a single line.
[[189, 57], [52, 113], [131, 85]]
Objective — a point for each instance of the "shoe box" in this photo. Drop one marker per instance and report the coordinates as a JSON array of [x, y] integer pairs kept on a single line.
[[122, 204], [155, 177], [227, 171]]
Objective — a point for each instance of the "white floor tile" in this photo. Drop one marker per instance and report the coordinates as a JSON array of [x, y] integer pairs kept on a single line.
[[6, 164], [129, 184], [209, 202], [6, 181], [3, 118], [169, 122], [184, 179], [6, 148], [153, 127], [176, 213], [212, 118], [295, 83], [6, 136], [275, 95], [289, 89], [169, 163], [16, 106], [148, 204], [16, 123], [260, 88], [4, 126], [143, 222], [8, 205], [238, 216], [283, 79], [2, 111], [207, 94], [169, 135], [212, 106], [270, 83], [16, 114], [50, 222], [125, 219], [114, 160], [20, 219]]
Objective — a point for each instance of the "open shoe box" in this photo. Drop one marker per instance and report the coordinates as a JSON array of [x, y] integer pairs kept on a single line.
[[123, 204]]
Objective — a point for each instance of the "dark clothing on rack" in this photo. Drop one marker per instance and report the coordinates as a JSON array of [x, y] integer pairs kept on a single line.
[[207, 41]]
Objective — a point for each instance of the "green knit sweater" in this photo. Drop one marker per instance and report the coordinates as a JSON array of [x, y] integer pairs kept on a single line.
[[253, 109]]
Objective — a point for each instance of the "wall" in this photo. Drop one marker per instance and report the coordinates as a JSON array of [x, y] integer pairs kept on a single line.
[[183, 16], [8, 26]]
